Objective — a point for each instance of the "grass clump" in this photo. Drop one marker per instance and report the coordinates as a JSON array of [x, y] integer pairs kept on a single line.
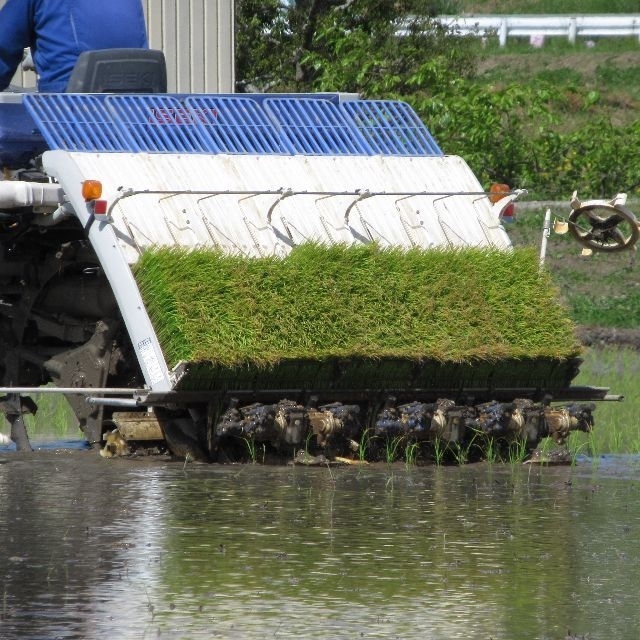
[[339, 302]]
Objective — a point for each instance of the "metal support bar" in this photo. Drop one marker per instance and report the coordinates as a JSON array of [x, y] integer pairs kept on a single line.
[[546, 232], [114, 402], [362, 195], [284, 193], [76, 390]]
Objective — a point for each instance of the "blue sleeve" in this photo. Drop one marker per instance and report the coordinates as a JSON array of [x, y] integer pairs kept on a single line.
[[15, 35]]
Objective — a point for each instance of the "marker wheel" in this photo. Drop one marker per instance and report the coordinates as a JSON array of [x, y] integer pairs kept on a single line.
[[602, 227]]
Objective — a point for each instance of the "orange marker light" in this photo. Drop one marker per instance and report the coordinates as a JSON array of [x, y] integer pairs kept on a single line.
[[91, 190], [498, 191]]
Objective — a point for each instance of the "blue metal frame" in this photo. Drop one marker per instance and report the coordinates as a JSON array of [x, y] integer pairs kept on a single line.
[[237, 124]]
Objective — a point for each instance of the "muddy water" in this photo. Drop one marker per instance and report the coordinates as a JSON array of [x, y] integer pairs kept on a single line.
[[129, 549]]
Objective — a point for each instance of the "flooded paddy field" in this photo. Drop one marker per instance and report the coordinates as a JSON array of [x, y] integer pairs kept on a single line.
[[153, 548]]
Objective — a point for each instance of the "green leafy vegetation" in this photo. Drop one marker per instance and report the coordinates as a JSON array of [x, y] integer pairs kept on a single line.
[[551, 119]]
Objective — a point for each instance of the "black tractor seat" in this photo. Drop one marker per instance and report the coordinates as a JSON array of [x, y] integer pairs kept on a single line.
[[119, 71]]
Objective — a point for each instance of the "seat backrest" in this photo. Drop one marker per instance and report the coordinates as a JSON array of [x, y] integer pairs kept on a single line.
[[119, 71]]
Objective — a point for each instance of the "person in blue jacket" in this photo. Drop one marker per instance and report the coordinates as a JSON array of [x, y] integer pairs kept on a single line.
[[58, 31]]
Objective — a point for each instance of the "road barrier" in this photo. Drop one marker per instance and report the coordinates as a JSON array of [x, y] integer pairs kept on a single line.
[[571, 27]]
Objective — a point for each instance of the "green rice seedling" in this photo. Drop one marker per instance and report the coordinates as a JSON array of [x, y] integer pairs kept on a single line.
[[490, 451], [517, 451], [439, 450], [391, 448], [592, 445], [364, 444], [575, 451], [252, 449], [457, 305], [411, 454], [461, 452], [307, 442], [582, 443], [55, 417], [487, 446], [616, 423], [616, 438], [545, 447], [635, 443], [586, 443]]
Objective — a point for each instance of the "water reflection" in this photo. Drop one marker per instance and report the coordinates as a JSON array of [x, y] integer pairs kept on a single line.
[[95, 548]]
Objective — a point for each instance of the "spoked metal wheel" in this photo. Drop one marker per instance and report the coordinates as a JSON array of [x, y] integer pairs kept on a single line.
[[603, 227]]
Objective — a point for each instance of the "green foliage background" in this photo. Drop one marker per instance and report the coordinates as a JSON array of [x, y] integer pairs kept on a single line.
[[551, 132]]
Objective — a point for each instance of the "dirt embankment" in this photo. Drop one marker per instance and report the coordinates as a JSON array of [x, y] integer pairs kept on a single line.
[[585, 62], [609, 336]]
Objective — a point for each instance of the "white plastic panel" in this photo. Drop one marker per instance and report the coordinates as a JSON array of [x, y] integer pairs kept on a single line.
[[263, 205]]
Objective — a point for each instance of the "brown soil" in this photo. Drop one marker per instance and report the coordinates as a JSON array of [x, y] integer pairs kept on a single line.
[[584, 63], [606, 337]]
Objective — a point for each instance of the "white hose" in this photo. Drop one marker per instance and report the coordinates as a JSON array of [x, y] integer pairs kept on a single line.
[[16, 193]]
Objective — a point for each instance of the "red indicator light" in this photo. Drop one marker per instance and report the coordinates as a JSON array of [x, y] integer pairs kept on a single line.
[[100, 207]]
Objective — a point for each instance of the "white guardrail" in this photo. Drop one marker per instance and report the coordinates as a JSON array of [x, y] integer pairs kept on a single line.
[[571, 27]]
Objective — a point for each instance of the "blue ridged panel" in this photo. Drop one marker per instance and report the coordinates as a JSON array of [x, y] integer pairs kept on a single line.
[[391, 127], [75, 122], [159, 124], [237, 124], [314, 126], [229, 124]]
